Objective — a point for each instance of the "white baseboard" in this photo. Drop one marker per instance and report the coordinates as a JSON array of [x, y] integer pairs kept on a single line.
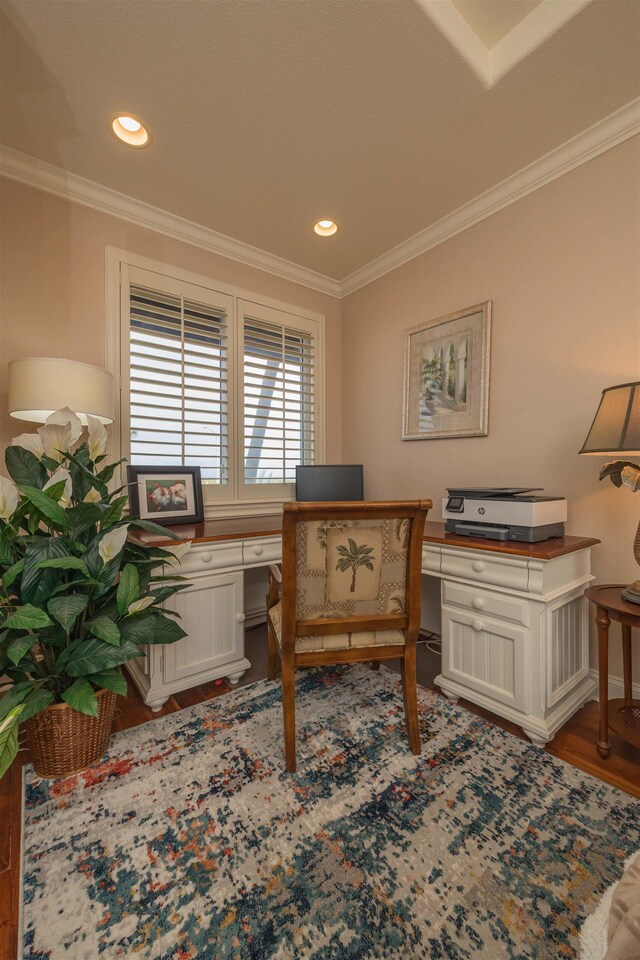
[[254, 616], [616, 687]]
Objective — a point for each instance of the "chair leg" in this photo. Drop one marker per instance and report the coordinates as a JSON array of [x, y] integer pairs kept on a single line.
[[375, 664], [272, 662], [289, 714], [410, 698]]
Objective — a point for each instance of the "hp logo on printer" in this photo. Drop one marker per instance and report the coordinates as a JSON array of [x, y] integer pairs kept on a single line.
[[481, 511]]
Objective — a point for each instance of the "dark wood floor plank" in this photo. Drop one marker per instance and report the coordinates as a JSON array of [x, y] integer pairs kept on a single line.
[[574, 743]]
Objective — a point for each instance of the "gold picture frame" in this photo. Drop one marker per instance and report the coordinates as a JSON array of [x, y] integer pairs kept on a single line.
[[446, 376]]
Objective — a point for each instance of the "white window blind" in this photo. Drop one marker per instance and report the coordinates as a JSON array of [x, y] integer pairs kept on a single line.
[[279, 400], [178, 382]]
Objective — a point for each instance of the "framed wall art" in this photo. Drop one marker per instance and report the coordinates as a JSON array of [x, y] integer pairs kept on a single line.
[[446, 376], [166, 495]]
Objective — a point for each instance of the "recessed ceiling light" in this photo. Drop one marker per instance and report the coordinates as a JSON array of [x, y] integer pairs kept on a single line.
[[129, 130], [325, 228]]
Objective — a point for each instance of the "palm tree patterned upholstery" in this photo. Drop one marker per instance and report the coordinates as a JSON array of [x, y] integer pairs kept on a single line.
[[348, 568]]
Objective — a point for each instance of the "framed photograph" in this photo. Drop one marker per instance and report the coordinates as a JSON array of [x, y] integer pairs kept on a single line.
[[446, 376], [166, 495]]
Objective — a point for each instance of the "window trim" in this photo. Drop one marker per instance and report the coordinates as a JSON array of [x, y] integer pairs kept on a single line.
[[118, 267]]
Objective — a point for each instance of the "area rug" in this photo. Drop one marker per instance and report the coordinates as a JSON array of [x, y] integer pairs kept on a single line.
[[190, 842]]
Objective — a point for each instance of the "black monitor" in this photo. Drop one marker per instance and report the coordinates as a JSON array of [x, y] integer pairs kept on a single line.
[[336, 481]]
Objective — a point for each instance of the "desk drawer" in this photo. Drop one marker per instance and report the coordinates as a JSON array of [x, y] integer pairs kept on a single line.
[[260, 551], [218, 555], [479, 601], [488, 569]]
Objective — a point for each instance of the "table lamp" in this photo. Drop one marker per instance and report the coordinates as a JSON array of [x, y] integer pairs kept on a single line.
[[38, 386], [616, 429]]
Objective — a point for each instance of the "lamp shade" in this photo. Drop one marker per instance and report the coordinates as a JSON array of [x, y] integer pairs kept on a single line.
[[40, 385], [616, 425]]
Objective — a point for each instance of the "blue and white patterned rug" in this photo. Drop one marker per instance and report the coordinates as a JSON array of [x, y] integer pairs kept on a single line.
[[190, 842]]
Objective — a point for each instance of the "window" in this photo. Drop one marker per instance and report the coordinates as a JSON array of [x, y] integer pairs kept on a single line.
[[278, 402], [178, 383], [215, 380]]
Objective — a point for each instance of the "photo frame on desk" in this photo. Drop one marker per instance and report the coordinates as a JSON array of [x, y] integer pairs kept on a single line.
[[165, 494], [446, 376]]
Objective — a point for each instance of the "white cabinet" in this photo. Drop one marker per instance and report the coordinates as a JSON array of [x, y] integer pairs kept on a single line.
[[514, 633], [211, 611], [212, 614]]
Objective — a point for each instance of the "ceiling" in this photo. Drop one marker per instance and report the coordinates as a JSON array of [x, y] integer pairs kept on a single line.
[[492, 20], [267, 116]]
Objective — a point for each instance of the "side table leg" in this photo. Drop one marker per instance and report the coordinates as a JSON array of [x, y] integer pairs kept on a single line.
[[626, 661], [603, 621]]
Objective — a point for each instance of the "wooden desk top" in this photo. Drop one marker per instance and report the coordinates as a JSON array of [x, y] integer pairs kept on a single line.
[[235, 528]]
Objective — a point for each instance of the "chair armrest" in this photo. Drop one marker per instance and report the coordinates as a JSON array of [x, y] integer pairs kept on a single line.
[[276, 573]]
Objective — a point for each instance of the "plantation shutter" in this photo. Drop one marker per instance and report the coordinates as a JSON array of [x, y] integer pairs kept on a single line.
[[178, 400], [279, 400]]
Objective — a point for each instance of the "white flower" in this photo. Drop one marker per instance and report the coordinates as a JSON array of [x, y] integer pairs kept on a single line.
[[139, 605], [112, 543], [178, 553], [9, 498], [60, 417], [56, 440], [56, 477], [31, 442], [93, 496], [631, 478], [97, 438]]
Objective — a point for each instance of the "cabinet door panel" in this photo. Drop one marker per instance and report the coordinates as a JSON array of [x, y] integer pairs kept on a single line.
[[485, 654], [211, 611]]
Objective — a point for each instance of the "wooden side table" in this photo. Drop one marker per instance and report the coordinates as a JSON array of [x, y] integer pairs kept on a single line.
[[620, 715]]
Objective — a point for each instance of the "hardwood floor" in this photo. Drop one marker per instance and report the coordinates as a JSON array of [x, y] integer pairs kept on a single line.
[[575, 743]]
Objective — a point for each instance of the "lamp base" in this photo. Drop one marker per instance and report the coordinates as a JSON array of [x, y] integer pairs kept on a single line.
[[632, 592]]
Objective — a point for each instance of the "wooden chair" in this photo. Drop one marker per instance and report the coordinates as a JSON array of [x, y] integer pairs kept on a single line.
[[349, 592]]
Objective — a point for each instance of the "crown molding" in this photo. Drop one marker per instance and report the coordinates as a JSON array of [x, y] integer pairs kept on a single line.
[[595, 140], [52, 179]]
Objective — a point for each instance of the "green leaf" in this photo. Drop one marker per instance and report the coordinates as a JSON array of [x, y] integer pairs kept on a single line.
[[9, 738], [153, 628], [109, 680], [36, 703], [37, 584], [83, 516], [128, 588], [67, 609], [92, 656], [63, 563], [24, 467], [105, 629], [19, 646], [12, 573], [45, 504], [114, 512], [28, 617], [151, 527], [16, 695], [82, 697]]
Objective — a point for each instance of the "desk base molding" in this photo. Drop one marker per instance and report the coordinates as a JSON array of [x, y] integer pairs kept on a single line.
[[539, 731]]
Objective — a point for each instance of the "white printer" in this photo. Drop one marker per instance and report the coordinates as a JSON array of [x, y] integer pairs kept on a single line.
[[504, 513]]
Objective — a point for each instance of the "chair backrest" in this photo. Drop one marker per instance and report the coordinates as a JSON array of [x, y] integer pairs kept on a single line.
[[352, 567]]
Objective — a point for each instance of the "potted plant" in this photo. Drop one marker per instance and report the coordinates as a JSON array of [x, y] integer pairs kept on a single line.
[[77, 598]]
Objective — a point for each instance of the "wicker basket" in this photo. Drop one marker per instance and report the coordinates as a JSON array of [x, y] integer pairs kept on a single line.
[[63, 741]]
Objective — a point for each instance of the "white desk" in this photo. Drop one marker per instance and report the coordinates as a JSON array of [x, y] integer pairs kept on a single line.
[[514, 619]]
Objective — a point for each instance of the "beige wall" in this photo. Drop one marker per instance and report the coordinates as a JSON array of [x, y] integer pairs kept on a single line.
[[562, 269], [52, 287]]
